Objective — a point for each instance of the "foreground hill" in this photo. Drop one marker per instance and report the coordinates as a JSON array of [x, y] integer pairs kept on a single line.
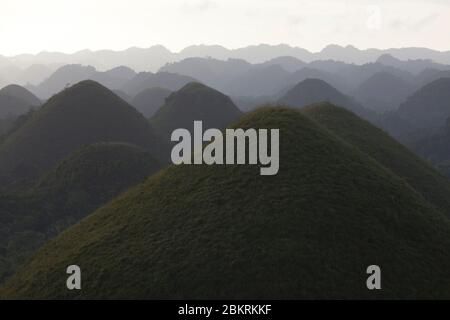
[[85, 113], [312, 91], [88, 178], [373, 141], [227, 232], [150, 100], [194, 101], [16, 100]]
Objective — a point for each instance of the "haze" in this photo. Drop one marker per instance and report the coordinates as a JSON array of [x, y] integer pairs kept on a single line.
[[60, 25]]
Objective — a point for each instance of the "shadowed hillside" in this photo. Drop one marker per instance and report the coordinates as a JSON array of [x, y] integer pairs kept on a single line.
[[194, 101], [312, 91], [428, 107], [383, 91], [150, 100], [16, 100], [88, 178], [434, 187], [82, 114], [227, 232]]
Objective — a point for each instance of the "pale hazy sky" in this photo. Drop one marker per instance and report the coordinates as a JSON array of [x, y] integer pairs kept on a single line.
[[31, 26]]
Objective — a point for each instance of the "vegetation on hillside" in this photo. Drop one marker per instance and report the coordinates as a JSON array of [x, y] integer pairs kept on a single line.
[[227, 232]]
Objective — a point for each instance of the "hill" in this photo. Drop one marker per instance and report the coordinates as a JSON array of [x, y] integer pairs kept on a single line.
[[428, 107], [16, 100], [227, 232], [86, 179], [383, 91], [194, 101], [373, 141], [85, 113], [145, 80], [150, 100], [312, 91]]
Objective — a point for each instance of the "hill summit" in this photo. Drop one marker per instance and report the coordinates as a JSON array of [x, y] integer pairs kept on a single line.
[[193, 232], [311, 91], [85, 113], [195, 101]]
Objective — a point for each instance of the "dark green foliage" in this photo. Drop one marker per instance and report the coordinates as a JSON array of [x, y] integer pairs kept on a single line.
[[150, 100], [88, 178], [434, 187], [194, 101], [227, 232], [85, 113]]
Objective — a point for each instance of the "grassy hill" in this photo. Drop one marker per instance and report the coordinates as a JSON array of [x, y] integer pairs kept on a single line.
[[85, 113], [88, 178], [419, 174], [194, 101], [227, 232], [150, 100], [16, 100], [311, 91]]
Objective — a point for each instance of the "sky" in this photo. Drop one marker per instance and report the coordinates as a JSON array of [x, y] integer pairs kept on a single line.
[[30, 26]]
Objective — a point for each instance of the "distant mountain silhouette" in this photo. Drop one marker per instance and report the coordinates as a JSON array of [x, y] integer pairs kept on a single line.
[[149, 101], [146, 80], [383, 91], [312, 91], [153, 58], [308, 232], [289, 64], [429, 75], [70, 74], [412, 66], [213, 72], [16, 100], [194, 101], [85, 113], [428, 108]]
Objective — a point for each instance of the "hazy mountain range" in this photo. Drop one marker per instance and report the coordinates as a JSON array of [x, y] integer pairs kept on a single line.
[[364, 174], [152, 58]]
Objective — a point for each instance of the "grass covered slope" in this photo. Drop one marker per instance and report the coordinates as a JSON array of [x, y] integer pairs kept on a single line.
[[85, 113], [87, 179], [195, 101], [96, 173], [227, 232], [380, 146]]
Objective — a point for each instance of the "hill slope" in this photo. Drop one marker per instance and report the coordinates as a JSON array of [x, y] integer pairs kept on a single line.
[[88, 178], [383, 91], [380, 146], [312, 91], [428, 107], [149, 101], [227, 232], [85, 113], [194, 101], [16, 100]]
